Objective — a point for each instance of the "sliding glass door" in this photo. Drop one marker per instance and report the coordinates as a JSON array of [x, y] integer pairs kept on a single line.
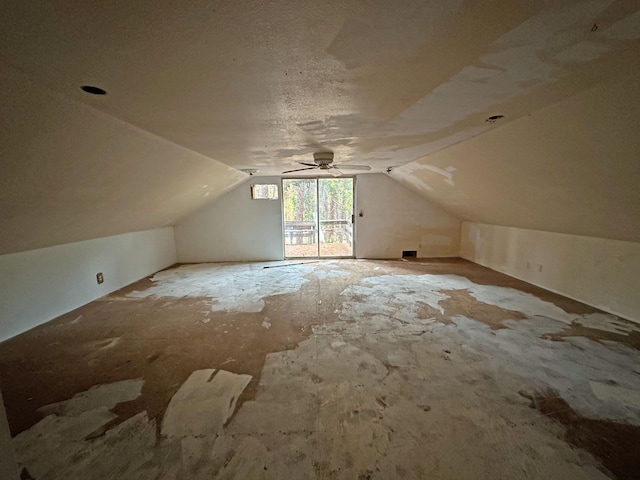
[[318, 217]]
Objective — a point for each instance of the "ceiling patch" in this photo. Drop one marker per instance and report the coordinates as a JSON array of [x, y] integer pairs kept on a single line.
[[626, 29], [583, 52], [380, 35], [447, 173]]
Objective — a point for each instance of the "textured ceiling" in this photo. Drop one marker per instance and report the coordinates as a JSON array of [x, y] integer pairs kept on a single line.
[[264, 84], [269, 82]]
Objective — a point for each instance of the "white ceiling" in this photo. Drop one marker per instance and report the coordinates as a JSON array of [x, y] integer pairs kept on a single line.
[[263, 84]]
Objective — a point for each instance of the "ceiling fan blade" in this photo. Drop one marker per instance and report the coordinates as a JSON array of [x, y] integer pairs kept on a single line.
[[364, 168], [335, 171], [308, 164], [299, 169]]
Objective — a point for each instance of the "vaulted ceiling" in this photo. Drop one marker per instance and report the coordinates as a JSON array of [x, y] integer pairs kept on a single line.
[[198, 90]]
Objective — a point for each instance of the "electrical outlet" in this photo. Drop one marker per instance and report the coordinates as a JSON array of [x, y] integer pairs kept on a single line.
[[539, 267], [528, 264], [100, 278]]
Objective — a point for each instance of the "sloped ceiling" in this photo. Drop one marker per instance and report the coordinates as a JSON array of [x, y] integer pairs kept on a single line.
[[197, 87], [573, 167], [71, 173]]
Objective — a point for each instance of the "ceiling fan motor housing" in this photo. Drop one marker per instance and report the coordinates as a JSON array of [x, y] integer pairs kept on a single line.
[[323, 159]]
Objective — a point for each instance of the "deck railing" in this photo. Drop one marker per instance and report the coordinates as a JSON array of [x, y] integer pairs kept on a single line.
[[331, 231]]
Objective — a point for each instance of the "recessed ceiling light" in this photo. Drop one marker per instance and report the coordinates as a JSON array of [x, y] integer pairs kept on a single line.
[[494, 118], [93, 90]]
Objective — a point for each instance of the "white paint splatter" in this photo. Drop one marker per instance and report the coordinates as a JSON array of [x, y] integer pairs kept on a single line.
[[233, 288], [607, 323], [401, 290], [51, 444], [107, 396], [322, 274], [389, 305], [614, 393], [203, 404], [352, 402]]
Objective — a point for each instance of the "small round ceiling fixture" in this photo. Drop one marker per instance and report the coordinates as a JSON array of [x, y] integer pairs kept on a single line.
[[494, 118], [93, 90]]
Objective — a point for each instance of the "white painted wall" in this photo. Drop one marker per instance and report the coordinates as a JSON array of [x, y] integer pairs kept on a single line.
[[395, 218], [600, 272], [39, 285], [233, 228], [8, 466], [236, 228]]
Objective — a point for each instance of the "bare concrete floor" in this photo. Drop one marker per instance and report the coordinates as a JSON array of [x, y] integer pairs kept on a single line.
[[338, 369]]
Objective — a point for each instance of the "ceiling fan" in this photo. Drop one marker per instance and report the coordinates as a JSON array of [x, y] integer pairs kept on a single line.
[[324, 161]]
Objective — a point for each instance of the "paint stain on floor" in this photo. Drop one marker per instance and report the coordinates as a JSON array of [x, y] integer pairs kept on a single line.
[[336, 369]]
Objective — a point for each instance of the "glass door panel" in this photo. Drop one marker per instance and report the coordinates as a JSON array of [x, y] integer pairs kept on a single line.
[[300, 211], [335, 217]]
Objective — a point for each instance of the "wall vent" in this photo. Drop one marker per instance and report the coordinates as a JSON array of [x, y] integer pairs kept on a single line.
[[409, 253]]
